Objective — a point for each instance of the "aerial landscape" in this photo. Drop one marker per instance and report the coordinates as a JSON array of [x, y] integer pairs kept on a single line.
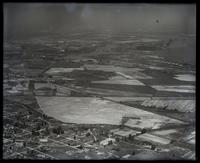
[[78, 86]]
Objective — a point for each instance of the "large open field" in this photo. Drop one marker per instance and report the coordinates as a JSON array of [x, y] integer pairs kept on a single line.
[[87, 110]]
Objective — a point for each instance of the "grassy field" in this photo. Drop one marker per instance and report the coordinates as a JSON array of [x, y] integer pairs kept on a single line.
[[88, 110]]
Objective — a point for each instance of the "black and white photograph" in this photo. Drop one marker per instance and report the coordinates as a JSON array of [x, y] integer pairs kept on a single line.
[[99, 81]]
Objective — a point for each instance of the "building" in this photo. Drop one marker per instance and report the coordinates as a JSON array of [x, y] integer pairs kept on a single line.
[[107, 141], [153, 139], [124, 134]]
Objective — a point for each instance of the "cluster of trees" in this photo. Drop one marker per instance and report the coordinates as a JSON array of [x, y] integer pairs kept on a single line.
[[58, 130]]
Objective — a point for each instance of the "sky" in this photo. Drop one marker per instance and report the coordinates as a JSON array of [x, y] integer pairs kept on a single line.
[[35, 18]]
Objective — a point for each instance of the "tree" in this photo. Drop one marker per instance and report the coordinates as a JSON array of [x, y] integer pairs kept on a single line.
[[47, 131], [153, 147], [58, 130], [144, 131]]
